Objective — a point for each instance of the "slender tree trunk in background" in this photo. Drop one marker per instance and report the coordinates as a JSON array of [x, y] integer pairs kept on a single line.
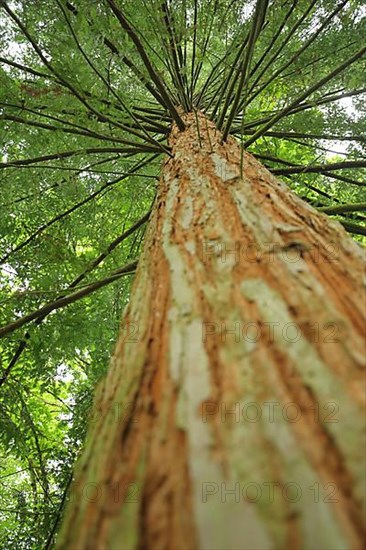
[[231, 416]]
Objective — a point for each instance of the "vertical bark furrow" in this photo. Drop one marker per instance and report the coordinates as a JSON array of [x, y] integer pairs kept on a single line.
[[226, 254]]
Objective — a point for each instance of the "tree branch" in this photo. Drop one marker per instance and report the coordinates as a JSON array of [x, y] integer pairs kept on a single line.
[[87, 151], [257, 25], [320, 168], [341, 208], [66, 300], [69, 211], [306, 94], [353, 227], [23, 343], [153, 74]]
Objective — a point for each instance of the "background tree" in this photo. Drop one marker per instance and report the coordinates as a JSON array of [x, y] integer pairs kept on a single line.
[[89, 95]]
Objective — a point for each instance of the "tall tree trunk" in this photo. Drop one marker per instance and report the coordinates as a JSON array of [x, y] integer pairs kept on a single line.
[[231, 415]]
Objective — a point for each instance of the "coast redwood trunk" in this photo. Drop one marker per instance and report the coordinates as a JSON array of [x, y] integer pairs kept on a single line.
[[231, 416]]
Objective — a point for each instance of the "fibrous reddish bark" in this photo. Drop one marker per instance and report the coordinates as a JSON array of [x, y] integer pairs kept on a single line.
[[232, 413]]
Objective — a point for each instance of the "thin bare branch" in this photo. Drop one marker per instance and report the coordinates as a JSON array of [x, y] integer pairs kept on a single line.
[[275, 37], [24, 341], [174, 51], [306, 94], [342, 208], [297, 54], [66, 300], [257, 24], [353, 227], [153, 74], [86, 151], [71, 210], [320, 168]]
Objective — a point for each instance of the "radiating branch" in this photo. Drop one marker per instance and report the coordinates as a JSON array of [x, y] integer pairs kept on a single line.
[[153, 74], [342, 208], [306, 94], [86, 133], [71, 210], [298, 53], [227, 87], [173, 49], [113, 48], [66, 300], [354, 228], [199, 65], [77, 152], [98, 260], [106, 83], [27, 69], [327, 98], [64, 82], [320, 168], [291, 135], [257, 24], [275, 37], [194, 48]]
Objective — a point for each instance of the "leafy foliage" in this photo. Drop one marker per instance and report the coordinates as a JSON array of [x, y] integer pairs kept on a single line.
[[88, 93]]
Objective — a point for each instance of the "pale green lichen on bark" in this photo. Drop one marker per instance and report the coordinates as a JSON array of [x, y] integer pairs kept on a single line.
[[176, 291], [190, 365], [188, 361], [124, 532], [350, 431], [224, 170]]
